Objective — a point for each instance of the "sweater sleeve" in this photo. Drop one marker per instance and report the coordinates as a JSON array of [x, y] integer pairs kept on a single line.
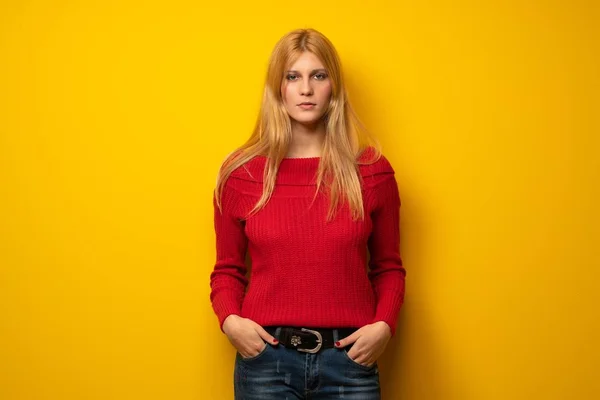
[[228, 280], [386, 271]]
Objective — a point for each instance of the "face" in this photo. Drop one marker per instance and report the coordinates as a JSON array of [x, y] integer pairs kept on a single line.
[[306, 90]]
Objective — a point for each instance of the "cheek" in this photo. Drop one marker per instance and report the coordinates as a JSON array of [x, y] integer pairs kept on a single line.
[[284, 93], [327, 91]]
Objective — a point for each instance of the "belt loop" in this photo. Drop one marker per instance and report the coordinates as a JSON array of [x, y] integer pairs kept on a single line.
[[277, 332], [335, 335]]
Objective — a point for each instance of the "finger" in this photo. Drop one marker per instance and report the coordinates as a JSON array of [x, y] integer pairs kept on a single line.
[[267, 337], [353, 354], [361, 355], [362, 359], [348, 340], [370, 361], [356, 356], [254, 350]]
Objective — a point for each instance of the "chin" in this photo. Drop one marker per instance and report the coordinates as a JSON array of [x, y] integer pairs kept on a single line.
[[308, 121]]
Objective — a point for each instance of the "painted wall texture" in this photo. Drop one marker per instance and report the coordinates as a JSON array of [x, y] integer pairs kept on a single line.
[[115, 116]]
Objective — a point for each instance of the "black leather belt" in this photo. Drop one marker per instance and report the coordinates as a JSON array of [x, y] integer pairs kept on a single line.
[[308, 340]]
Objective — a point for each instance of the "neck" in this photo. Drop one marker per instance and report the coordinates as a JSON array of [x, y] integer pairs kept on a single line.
[[307, 140]]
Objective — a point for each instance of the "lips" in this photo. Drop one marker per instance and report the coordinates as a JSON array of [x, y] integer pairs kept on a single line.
[[307, 104]]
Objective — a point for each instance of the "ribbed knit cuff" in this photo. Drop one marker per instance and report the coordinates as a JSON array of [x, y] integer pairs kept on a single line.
[[224, 307], [388, 307]]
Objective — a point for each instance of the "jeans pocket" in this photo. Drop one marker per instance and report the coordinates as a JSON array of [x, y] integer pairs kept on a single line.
[[253, 358], [364, 367]]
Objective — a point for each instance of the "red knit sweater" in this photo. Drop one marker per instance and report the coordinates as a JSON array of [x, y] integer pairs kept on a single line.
[[305, 271]]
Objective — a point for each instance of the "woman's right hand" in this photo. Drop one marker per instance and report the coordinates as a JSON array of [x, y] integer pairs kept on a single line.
[[247, 336]]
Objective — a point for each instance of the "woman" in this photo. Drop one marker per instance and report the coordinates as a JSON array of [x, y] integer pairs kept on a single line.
[[307, 197]]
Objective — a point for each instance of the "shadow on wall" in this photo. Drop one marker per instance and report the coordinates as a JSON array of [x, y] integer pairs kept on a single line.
[[408, 372]]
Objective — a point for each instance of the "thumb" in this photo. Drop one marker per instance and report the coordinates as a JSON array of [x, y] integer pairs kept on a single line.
[[266, 336], [348, 340]]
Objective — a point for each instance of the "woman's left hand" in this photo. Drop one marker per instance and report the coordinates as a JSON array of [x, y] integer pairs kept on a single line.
[[369, 342]]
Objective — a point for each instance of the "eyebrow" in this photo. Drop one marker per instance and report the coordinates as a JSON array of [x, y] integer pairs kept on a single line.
[[312, 72]]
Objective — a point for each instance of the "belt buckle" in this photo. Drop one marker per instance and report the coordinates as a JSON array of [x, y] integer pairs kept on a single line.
[[319, 341]]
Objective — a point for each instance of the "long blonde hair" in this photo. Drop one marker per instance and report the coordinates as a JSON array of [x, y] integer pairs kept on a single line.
[[345, 138]]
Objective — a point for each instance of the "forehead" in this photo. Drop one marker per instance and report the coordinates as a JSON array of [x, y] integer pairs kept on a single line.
[[306, 61]]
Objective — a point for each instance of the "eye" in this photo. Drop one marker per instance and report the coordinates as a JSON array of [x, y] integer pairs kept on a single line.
[[291, 77], [321, 76]]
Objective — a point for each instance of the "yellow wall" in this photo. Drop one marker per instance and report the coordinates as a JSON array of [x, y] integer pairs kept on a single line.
[[114, 117]]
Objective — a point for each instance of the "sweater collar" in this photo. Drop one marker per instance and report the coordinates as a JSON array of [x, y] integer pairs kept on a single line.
[[292, 171], [302, 171]]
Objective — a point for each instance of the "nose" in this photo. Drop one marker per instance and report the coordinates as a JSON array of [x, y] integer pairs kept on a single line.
[[306, 88]]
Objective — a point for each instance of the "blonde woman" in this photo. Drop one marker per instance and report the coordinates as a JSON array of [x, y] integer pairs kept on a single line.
[[308, 196]]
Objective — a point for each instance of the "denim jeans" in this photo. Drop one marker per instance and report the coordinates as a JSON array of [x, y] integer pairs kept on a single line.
[[279, 373]]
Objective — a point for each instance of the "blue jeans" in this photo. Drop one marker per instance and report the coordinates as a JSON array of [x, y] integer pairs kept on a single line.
[[279, 373]]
